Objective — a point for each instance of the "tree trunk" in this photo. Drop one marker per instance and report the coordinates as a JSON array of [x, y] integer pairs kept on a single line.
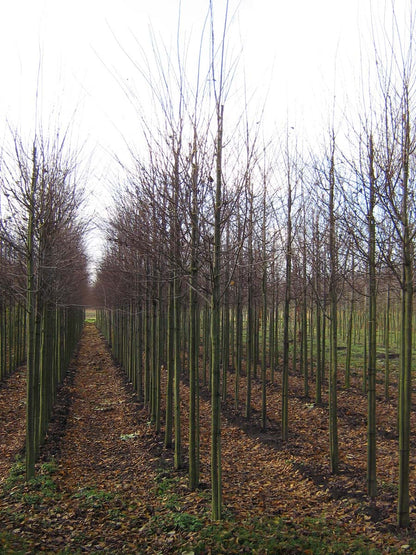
[[405, 377], [31, 330], [286, 317], [194, 337], [372, 336], [215, 336], [333, 423]]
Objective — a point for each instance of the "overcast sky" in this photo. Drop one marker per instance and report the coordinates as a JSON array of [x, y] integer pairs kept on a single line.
[[297, 53]]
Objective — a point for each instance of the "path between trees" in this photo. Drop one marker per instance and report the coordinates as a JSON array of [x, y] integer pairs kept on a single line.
[[105, 471], [106, 484], [12, 420]]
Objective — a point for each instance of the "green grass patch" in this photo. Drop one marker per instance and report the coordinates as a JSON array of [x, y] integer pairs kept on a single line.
[[173, 522], [187, 522], [277, 535], [165, 483], [90, 315], [92, 498], [36, 491], [165, 490], [16, 475], [21, 499], [12, 543]]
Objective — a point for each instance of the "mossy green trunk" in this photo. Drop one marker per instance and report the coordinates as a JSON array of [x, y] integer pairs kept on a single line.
[[216, 337], [405, 377], [31, 396], [333, 416], [372, 335], [286, 317]]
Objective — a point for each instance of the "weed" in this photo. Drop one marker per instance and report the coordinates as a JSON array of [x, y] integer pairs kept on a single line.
[[92, 498], [165, 483], [277, 535], [171, 502], [115, 514], [187, 522], [36, 491], [12, 543], [160, 523], [389, 487], [49, 467], [39, 490], [16, 475], [174, 521]]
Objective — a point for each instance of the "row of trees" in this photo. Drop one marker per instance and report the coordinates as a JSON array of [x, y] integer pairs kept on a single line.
[[259, 244], [12, 316], [43, 273]]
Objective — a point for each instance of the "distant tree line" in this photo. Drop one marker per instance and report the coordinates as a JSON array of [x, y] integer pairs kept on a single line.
[[43, 272]]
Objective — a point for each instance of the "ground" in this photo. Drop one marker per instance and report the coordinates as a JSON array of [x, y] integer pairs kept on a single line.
[[106, 484]]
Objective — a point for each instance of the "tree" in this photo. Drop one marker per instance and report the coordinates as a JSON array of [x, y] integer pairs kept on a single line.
[[333, 417], [396, 196], [43, 200]]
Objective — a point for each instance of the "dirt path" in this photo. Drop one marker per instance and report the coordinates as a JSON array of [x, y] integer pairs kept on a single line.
[[12, 419], [98, 496]]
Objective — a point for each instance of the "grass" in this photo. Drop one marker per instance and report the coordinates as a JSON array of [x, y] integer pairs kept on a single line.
[[189, 533], [27, 498], [257, 535], [35, 491], [92, 498], [277, 535], [90, 315]]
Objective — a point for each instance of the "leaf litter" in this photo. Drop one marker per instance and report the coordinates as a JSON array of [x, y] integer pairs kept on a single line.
[[114, 488]]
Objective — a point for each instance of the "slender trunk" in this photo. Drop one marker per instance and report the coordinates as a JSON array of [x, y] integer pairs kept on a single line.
[[387, 346], [176, 318], [250, 311], [349, 340], [405, 377], [372, 337], [318, 310], [30, 326], [272, 333], [304, 343], [194, 338], [158, 356], [405, 386], [286, 317], [264, 322], [239, 344], [170, 370], [333, 423], [226, 334], [215, 337]]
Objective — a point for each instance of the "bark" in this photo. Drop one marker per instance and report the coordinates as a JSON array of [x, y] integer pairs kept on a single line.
[[194, 338], [372, 336], [215, 336], [405, 377], [286, 317], [31, 333], [333, 417]]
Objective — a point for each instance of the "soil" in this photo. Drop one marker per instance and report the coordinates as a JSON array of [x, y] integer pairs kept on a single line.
[[12, 419], [114, 484]]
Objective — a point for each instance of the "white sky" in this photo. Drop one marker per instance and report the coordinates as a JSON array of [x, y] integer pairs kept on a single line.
[[300, 51]]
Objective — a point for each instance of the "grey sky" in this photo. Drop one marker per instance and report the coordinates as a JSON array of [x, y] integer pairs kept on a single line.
[[300, 52]]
